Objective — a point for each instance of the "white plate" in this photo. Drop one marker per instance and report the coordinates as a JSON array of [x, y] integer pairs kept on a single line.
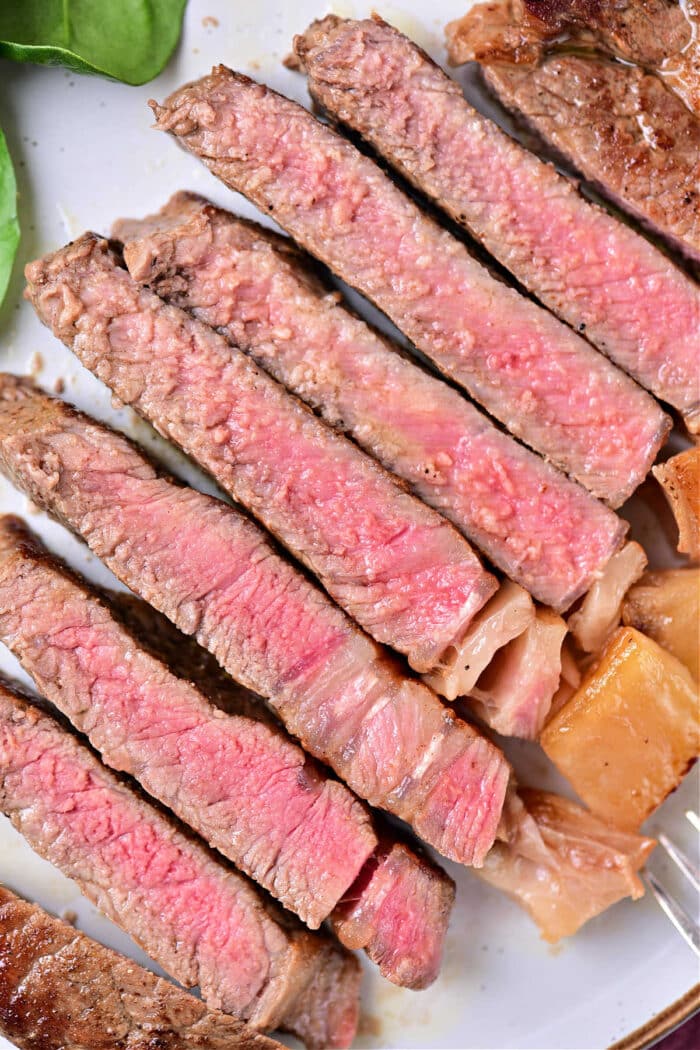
[[85, 154]]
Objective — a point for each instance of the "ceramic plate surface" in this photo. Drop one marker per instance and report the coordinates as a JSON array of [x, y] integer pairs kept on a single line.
[[85, 154]]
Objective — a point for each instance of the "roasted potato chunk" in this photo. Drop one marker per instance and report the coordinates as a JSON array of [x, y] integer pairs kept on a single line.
[[665, 605], [630, 732], [680, 479]]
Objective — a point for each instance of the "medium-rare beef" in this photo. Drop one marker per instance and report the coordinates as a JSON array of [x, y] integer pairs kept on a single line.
[[204, 923], [562, 864], [593, 271], [60, 990], [533, 523], [396, 566], [397, 916], [268, 809], [621, 129], [398, 908], [542, 380], [214, 574]]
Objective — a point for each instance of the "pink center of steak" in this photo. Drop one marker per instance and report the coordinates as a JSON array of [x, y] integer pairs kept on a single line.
[[243, 786], [399, 568], [214, 575], [398, 912], [553, 390], [538, 527], [593, 270], [91, 829]]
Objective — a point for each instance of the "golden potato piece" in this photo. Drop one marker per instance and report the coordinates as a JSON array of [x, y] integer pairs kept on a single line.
[[680, 479], [630, 732], [665, 605]]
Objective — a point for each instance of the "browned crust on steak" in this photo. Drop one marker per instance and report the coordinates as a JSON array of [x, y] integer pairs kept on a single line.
[[60, 990]]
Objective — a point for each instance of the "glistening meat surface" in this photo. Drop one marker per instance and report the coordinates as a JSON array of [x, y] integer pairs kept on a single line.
[[536, 525], [214, 574], [203, 922], [396, 566], [60, 990], [550, 387], [591, 270], [244, 786]]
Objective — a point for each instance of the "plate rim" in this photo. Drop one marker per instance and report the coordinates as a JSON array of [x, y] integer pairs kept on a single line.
[[663, 1023]]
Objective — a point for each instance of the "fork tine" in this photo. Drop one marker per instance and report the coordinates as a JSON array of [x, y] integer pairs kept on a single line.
[[681, 861], [686, 926], [693, 818]]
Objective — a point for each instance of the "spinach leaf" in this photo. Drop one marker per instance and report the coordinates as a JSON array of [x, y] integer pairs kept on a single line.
[[9, 226], [129, 40]]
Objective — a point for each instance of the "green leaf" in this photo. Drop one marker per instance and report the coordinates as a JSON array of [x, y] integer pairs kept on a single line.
[[129, 40], [9, 226]]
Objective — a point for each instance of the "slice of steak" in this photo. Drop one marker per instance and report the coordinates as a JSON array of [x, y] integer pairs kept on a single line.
[[544, 382], [533, 523], [214, 575], [204, 923], [399, 883], [60, 990], [396, 566], [398, 915], [632, 138], [270, 810], [594, 272]]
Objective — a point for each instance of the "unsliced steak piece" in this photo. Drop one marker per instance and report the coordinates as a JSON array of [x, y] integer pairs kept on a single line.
[[533, 523], [593, 271], [543, 381], [398, 908], [396, 566], [243, 786], [60, 990], [646, 33], [660, 36], [201, 921], [214, 574]]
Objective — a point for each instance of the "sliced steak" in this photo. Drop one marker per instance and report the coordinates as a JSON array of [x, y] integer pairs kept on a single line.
[[591, 270], [204, 923], [627, 134], [413, 962], [399, 884], [398, 915], [60, 990], [268, 809], [399, 568], [545, 383], [214, 575], [533, 523]]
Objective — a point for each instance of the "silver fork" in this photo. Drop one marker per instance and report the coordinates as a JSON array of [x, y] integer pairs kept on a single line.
[[687, 925]]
